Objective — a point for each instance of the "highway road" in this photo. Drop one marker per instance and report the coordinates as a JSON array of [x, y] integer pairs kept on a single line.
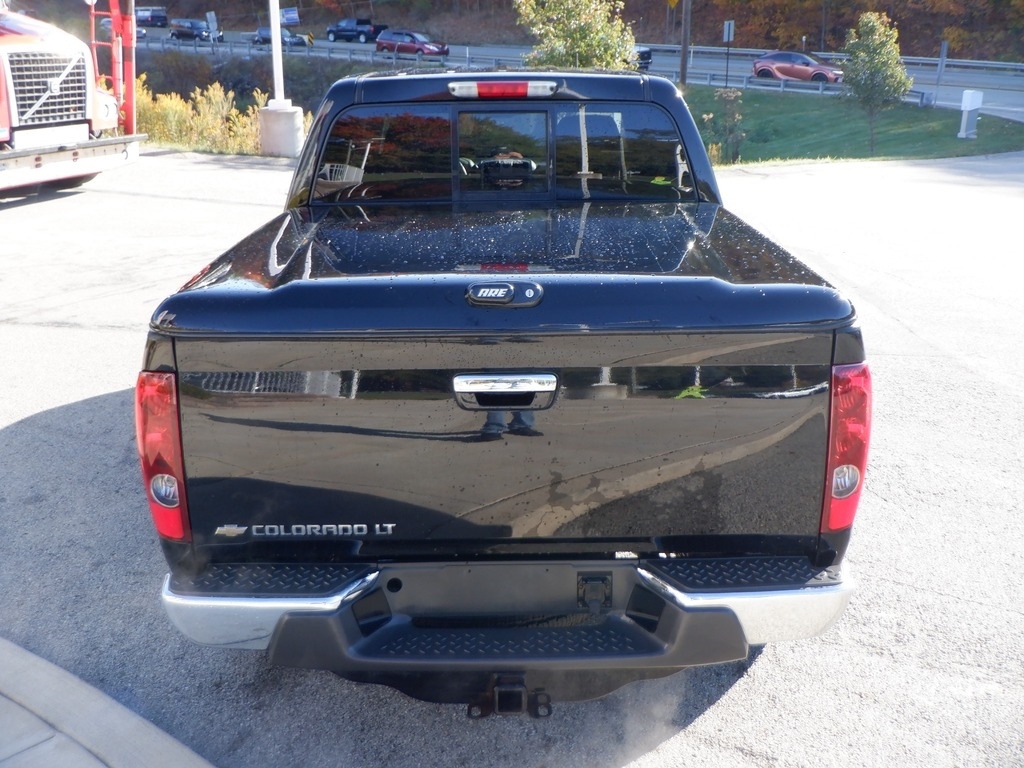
[[924, 669], [1003, 89]]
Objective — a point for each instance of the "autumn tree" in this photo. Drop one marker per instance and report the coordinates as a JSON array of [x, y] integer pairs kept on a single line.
[[578, 33], [873, 73]]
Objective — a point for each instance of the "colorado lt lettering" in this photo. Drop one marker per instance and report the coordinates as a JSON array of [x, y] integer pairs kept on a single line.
[[357, 529]]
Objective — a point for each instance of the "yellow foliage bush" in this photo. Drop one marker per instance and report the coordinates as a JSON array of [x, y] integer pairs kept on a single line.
[[207, 122]]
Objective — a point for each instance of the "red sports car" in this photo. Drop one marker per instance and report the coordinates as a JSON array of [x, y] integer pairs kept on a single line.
[[791, 65]]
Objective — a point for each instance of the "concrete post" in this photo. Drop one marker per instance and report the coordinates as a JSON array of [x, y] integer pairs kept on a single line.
[[280, 122], [281, 129]]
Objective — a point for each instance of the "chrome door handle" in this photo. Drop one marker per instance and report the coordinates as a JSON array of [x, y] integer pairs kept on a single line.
[[505, 391]]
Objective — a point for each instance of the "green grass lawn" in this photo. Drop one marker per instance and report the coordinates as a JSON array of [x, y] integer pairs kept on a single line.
[[797, 126]]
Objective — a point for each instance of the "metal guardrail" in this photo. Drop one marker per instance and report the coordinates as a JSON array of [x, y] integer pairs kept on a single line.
[[719, 80], [330, 52], [715, 79], [742, 55], [917, 61], [996, 66]]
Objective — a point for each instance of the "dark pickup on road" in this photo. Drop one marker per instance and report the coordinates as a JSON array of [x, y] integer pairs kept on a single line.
[[363, 30], [505, 407]]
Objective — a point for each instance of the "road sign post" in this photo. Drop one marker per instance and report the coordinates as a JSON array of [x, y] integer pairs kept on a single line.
[[728, 32], [940, 68]]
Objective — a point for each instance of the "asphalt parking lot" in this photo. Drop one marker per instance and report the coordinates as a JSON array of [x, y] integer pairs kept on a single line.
[[924, 669]]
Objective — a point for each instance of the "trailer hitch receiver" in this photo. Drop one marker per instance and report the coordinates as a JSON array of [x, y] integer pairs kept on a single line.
[[508, 695]]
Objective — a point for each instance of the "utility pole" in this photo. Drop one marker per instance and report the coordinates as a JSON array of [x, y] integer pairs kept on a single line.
[[824, 18], [684, 48], [281, 124]]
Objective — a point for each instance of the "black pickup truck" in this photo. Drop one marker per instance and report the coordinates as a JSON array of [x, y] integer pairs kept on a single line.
[[363, 30], [505, 407]]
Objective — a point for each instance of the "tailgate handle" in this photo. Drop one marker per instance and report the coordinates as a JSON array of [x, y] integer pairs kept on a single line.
[[504, 391]]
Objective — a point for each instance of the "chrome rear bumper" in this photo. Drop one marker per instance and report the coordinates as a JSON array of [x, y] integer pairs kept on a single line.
[[770, 603]]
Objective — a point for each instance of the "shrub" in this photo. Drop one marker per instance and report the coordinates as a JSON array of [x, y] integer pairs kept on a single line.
[[166, 118], [208, 122], [213, 118], [724, 124], [245, 127], [245, 76]]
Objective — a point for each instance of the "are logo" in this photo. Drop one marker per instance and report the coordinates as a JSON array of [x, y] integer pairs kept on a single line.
[[491, 293], [517, 294]]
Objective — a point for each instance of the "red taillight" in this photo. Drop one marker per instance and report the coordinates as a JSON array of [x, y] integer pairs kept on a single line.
[[502, 89], [158, 436], [849, 434], [504, 267]]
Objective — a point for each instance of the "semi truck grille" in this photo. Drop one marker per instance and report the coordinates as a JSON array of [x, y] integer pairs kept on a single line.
[[49, 88]]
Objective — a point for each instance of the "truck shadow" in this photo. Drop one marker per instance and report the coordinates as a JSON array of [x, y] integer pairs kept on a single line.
[[13, 199], [628, 725], [80, 583]]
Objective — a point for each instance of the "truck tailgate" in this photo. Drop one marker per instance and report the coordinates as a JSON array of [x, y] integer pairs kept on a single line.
[[324, 402], [648, 436]]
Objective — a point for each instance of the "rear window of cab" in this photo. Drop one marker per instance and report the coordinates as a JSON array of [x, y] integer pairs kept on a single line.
[[442, 152]]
